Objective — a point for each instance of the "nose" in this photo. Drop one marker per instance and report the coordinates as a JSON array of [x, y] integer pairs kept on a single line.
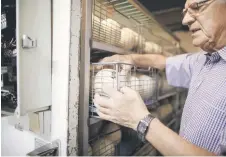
[[188, 19]]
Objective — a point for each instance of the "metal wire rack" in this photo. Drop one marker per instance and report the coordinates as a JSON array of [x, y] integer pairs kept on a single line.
[[114, 141], [123, 24], [102, 146], [105, 144], [103, 28], [108, 26], [117, 75]]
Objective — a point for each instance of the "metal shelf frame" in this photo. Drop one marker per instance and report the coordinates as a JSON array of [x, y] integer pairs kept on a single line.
[[87, 44], [167, 95], [109, 48], [86, 26]]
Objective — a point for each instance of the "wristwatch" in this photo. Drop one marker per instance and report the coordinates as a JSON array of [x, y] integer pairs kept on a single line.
[[142, 127]]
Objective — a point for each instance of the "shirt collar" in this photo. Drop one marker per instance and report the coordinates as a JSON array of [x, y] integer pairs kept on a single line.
[[221, 52]]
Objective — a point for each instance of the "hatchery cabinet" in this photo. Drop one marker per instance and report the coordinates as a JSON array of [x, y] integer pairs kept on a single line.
[[27, 58]]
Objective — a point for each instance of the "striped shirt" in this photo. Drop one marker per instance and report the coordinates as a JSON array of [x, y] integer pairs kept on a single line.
[[203, 120]]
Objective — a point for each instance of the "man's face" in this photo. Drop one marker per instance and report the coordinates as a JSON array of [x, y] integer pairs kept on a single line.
[[207, 22]]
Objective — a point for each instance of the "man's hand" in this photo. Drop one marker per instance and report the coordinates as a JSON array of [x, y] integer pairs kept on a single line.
[[125, 107], [119, 58]]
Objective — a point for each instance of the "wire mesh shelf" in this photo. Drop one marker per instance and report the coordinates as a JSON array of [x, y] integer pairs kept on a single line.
[[117, 75], [105, 144], [114, 140], [123, 24], [109, 26], [103, 147]]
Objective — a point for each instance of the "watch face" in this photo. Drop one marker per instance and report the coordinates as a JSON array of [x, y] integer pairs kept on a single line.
[[142, 128]]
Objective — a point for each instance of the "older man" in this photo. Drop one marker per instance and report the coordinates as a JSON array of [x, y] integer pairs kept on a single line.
[[203, 125]]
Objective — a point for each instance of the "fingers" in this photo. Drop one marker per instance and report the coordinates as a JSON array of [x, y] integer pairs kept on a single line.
[[111, 92], [103, 105], [103, 116], [116, 58], [110, 59], [106, 60], [103, 110], [102, 101]]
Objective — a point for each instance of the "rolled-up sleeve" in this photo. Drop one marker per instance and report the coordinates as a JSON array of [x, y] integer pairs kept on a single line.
[[179, 69]]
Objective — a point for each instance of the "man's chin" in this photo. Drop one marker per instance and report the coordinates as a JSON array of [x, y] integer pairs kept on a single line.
[[195, 44], [203, 44]]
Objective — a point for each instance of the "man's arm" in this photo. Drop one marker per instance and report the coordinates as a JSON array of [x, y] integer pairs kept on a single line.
[[169, 143], [120, 109], [179, 69], [144, 60], [149, 60]]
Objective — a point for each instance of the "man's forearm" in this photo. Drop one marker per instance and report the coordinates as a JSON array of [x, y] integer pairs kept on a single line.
[[169, 143], [149, 60]]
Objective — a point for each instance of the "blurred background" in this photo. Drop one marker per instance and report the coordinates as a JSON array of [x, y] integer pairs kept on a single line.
[[169, 14]]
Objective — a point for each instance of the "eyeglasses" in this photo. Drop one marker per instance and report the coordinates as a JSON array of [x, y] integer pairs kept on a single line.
[[195, 7]]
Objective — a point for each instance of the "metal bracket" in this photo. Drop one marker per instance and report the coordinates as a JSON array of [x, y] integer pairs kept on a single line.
[[50, 149], [28, 42], [19, 127]]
